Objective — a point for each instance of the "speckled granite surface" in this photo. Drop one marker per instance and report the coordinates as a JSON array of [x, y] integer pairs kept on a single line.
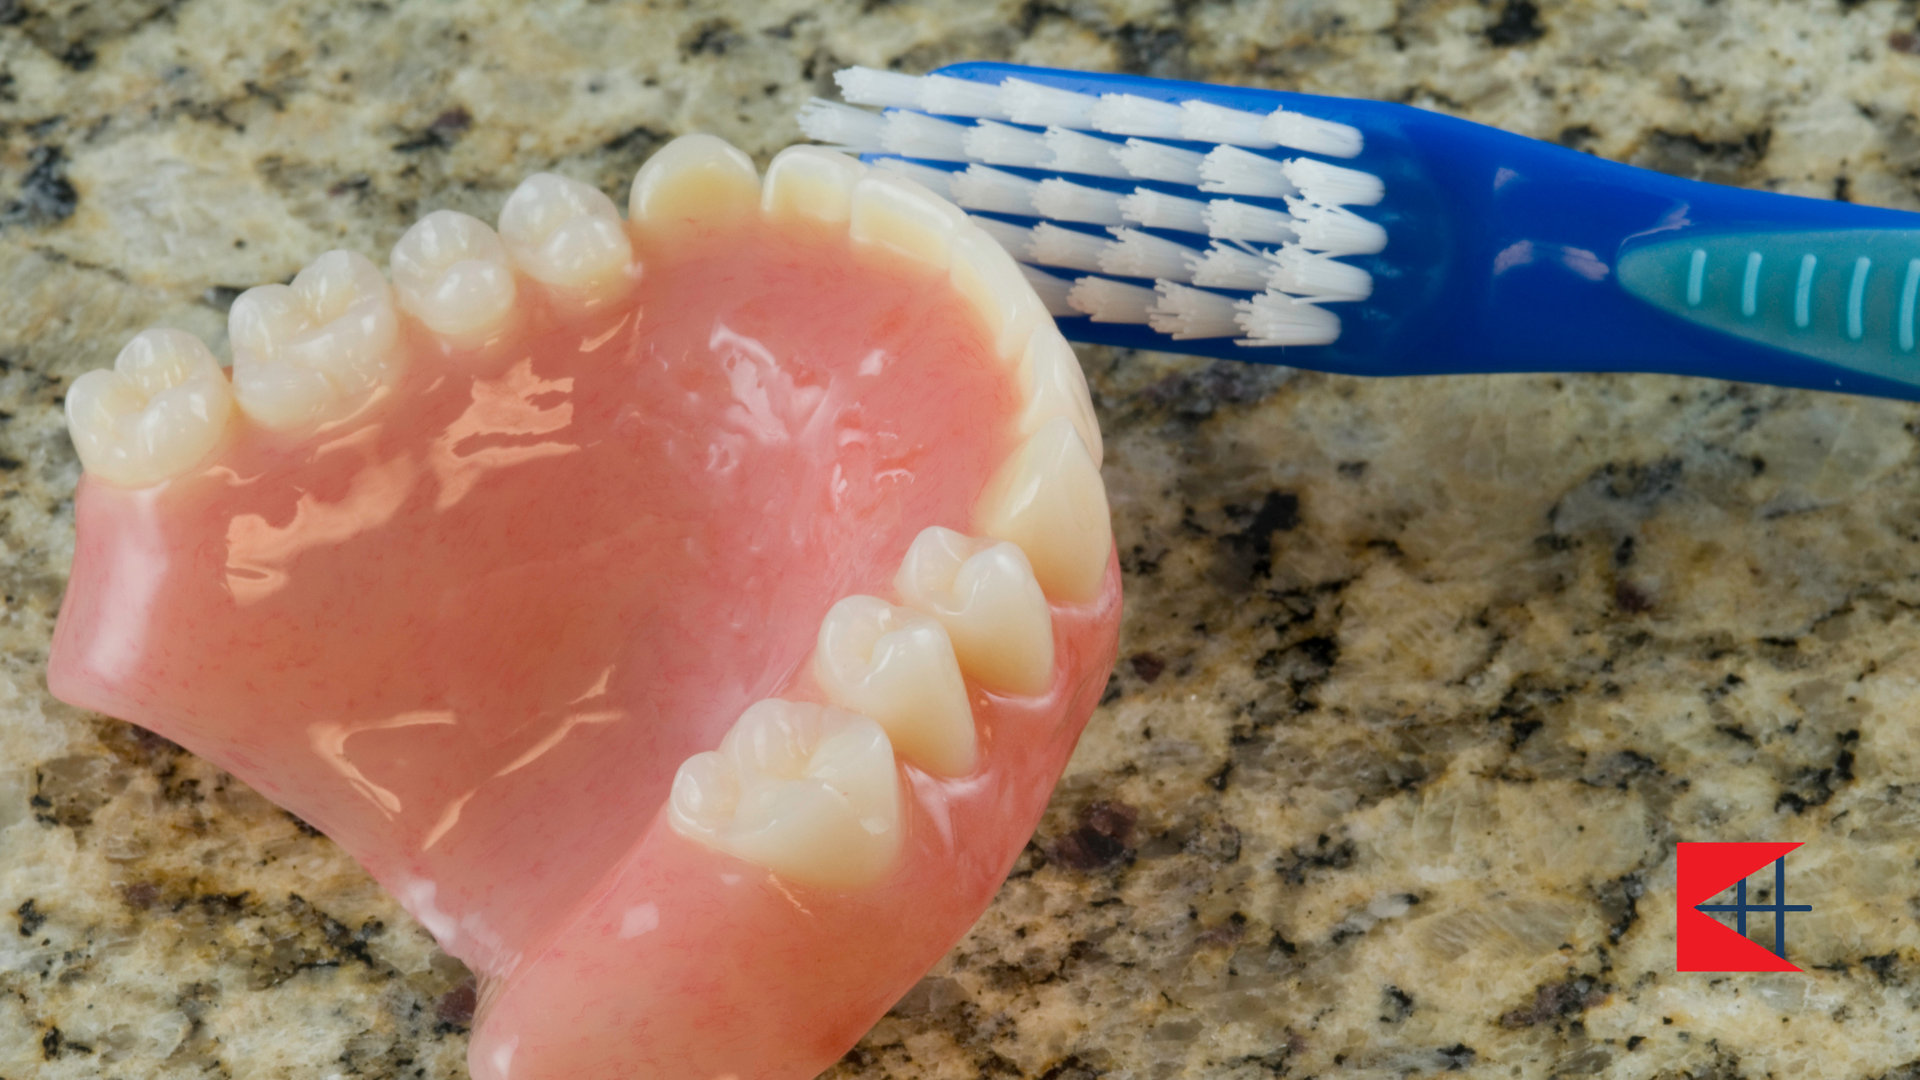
[[1420, 682]]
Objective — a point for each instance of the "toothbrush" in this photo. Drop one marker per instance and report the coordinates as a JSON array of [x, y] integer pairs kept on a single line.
[[1369, 238]]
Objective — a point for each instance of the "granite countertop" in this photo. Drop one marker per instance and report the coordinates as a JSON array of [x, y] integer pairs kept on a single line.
[[1420, 681]]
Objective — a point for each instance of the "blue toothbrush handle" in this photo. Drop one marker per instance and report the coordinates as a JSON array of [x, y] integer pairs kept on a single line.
[[1509, 254]]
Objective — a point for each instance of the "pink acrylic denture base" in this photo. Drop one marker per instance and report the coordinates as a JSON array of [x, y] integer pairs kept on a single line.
[[471, 631]]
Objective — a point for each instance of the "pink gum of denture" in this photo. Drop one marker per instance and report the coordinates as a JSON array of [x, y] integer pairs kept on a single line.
[[471, 630]]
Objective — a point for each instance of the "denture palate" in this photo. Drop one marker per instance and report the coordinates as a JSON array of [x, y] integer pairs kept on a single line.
[[686, 616]]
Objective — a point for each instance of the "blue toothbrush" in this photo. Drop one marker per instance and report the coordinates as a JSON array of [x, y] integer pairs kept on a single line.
[[1370, 238]]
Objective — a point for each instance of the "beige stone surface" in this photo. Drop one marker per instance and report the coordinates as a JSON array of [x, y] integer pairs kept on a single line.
[[1421, 681]]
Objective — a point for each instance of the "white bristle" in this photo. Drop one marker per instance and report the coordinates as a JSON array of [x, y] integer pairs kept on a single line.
[[1070, 248], [949, 96], [1004, 144], [1144, 255], [1312, 134], [1051, 290], [1064, 200], [842, 125], [1207, 122], [1233, 171], [1318, 277], [983, 188], [1129, 114], [1111, 301], [1334, 185], [1017, 239], [1227, 267], [1158, 210], [1230, 220], [938, 181], [1078, 152], [917, 135], [1154, 161], [1277, 319], [1188, 314], [1336, 230], [871, 86], [1045, 106]]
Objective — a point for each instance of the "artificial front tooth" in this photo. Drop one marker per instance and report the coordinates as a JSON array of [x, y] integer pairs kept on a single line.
[[162, 407], [811, 182], [991, 281], [451, 272], [1047, 497], [1055, 386], [694, 177], [807, 791], [893, 211], [897, 666], [314, 350], [567, 236], [984, 593]]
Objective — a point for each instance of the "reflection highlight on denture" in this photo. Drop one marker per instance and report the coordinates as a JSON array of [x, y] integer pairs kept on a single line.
[[901, 361]]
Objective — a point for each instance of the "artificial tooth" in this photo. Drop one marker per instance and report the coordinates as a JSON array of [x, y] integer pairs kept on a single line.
[[314, 350], [984, 593], [162, 407], [811, 182], [1054, 385], [893, 211], [807, 791], [567, 236], [897, 666], [991, 281], [1047, 497], [451, 272], [693, 177]]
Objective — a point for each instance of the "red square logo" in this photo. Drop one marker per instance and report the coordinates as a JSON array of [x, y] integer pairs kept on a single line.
[[1704, 943]]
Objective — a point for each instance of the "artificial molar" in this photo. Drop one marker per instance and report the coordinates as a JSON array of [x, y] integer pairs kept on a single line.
[[162, 407], [985, 594], [1047, 497], [693, 178], [808, 791], [452, 273], [898, 666], [318, 348], [568, 236]]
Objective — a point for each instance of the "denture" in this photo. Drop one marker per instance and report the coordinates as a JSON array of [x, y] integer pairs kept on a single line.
[[686, 616]]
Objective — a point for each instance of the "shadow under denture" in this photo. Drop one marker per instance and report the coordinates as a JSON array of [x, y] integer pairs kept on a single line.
[[470, 613]]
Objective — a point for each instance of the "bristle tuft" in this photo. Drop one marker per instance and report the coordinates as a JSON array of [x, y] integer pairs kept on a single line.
[[1231, 220], [1318, 277], [917, 135], [1069, 248], [1190, 314], [938, 181], [1207, 122], [1129, 114], [1078, 152], [885, 89], [1230, 170], [1336, 230], [1225, 266], [1144, 255], [1314, 135], [1277, 319], [1158, 210], [1045, 106], [949, 96], [984, 188], [1334, 185], [1051, 290], [1064, 200], [1111, 301], [1004, 144], [1155, 161], [842, 125], [1017, 239]]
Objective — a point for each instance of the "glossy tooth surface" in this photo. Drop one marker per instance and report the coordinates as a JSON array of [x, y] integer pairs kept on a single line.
[[1055, 386], [984, 593], [1048, 498], [810, 183], [162, 407], [314, 349], [807, 791], [991, 281], [567, 236], [893, 211], [452, 273], [694, 177], [898, 666]]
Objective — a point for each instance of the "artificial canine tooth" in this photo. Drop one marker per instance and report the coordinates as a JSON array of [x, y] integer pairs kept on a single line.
[[893, 211], [1047, 497], [897, 666], [162, 407], [314, 349], [451, 272], [810, 182], [694, 177], [991, 281], [807, 791], [568, 237], [985, 594], [1054, 385]]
